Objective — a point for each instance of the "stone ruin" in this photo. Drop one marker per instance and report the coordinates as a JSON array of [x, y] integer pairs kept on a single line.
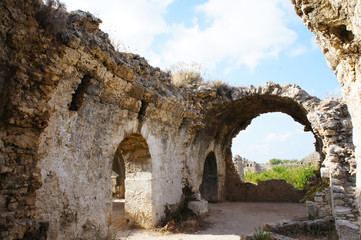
[[71, 106], [242, 165]]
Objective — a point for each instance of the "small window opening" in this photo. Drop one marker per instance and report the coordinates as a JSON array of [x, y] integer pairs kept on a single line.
[[79, 95]]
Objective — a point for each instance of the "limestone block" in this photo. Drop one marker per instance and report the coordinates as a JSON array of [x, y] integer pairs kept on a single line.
[[312, 209], [325, 172], [329, 132], [338, 189], [342, 210], [198, 207], [346, 230]]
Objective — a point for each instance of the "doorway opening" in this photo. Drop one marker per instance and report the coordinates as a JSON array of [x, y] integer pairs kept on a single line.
[[274, 146], [132, 183], [209, 186]]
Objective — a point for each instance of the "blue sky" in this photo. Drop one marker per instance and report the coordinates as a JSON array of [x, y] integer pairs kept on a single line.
[[242, 42]]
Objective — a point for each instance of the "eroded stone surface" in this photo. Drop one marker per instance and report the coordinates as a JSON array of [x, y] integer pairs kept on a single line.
[[336, 25], [70, 102]]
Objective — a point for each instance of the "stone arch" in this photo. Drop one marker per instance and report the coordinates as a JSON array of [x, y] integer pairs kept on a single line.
[[209, 186], [61, 159], [138, 179], [237, 109], [235, 115], [78, 146]]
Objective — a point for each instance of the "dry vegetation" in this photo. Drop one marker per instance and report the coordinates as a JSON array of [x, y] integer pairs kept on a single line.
[[52, 16]]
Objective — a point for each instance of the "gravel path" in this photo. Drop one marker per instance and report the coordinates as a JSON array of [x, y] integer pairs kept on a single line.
[[227, 221]]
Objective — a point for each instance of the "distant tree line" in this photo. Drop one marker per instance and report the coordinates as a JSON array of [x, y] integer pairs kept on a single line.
[[276, 161]]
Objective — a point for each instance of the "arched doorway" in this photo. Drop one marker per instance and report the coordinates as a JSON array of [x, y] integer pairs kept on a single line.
[[209, 186], [118, 176], [132, 164]]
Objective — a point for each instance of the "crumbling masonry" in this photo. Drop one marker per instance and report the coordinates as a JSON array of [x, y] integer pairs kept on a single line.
[[70, 104]]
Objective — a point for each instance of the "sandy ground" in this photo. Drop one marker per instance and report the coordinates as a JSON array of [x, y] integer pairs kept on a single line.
[[226, 221]]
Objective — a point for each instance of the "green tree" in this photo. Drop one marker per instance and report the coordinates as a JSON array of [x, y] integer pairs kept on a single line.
[[275, 161]]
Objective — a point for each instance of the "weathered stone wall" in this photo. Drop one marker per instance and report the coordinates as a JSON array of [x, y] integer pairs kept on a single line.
[[337, 27], [22, 118], [57, 155], [328, 120], [69, 101]]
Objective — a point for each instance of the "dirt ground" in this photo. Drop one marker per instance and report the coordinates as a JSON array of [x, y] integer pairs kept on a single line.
[[225, 221]]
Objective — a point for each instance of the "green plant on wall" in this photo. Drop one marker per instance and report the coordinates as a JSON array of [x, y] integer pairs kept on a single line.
[[186, 73], [312, 191]]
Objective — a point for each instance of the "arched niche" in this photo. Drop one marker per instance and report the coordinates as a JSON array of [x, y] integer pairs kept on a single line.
[[209, 186]]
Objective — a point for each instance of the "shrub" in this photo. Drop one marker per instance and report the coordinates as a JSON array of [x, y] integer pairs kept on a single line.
[[52, 16], [310, 195], [260, 234], [298, 177], [222, 87], [186, 73], [176, 215], [276, 161]]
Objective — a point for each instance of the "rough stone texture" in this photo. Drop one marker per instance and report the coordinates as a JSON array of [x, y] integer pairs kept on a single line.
[[274, 190], [323, 201], [198, 207], [238, 162], [310, 229], [346, 230], [70, 103], [337, 27], [312, 209]]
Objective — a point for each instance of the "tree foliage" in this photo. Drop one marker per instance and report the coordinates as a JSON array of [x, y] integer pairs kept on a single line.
[[276, 161]]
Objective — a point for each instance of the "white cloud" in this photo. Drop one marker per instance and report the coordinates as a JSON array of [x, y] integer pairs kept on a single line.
[[264, 148], [299, 50], [239, 32], [278, 137], [132, 23], [302, 49]]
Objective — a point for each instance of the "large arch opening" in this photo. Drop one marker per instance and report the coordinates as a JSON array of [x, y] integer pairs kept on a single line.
[[274, 146], [132, 180], [232, 117], [209, 186]]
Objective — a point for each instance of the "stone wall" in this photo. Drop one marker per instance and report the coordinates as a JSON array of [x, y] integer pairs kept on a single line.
[[69, 102], [336, 25], [69, 106]]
